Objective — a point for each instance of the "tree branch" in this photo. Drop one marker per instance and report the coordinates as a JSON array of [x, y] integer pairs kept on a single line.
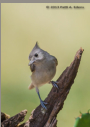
[[4, 116], [15, 120]]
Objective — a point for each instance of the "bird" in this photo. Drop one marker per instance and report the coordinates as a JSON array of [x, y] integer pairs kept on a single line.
[[43, 68]]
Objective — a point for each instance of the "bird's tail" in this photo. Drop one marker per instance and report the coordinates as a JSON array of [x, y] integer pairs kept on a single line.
[[31, 86]]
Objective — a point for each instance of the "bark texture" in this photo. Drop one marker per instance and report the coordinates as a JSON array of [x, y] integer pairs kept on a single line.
[[4, 116], [15, 120]]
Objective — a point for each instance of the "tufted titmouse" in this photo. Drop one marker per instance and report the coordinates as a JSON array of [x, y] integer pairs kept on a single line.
[[43, 68]]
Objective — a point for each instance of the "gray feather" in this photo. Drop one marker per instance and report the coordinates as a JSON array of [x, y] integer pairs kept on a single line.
[[32, 67]]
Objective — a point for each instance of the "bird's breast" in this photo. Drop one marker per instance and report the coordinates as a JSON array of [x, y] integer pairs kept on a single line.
[[43, 73]]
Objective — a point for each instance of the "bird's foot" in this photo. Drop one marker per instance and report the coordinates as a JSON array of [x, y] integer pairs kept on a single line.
[[54, 83], [43, 104]]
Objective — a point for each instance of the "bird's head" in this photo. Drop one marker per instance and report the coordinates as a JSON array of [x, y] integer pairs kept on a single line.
[[36, 55]]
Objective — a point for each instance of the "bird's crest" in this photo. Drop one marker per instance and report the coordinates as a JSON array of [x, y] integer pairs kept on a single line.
[[36, 45]]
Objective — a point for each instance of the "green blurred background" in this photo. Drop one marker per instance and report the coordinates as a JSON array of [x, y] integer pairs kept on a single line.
[[61, 32]]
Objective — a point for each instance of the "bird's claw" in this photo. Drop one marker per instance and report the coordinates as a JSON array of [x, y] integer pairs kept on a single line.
[[54, 84], [43, 104]]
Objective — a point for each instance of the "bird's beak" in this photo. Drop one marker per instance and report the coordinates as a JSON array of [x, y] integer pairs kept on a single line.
[[32, 61]]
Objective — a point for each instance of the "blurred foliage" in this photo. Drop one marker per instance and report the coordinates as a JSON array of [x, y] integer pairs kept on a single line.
[[83, 120], [61, 32]]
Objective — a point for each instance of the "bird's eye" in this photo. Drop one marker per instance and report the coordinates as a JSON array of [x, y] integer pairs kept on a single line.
[[36, 55]]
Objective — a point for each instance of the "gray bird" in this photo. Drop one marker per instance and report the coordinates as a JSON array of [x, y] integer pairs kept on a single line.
[[43, 68]]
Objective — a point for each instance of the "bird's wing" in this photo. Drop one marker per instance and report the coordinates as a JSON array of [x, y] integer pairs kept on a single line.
[[32, 67], [56, 61]]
